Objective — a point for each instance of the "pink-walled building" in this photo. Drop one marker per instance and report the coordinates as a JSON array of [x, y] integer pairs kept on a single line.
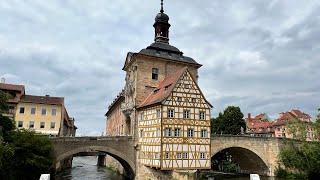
[[261, 126]]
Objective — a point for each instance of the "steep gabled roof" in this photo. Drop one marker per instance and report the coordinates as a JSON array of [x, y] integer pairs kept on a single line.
[[164, 89]]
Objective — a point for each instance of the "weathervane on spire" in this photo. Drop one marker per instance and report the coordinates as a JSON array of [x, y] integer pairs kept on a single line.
[[161, 7]]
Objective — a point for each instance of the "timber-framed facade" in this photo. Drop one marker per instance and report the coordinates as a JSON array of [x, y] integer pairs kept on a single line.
[[163, 107], [174, 132]]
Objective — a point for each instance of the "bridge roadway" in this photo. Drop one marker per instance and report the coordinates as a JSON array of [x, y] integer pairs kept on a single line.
[[253, 154]]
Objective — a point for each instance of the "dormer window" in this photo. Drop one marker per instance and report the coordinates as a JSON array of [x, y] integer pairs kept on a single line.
[[155, 73]]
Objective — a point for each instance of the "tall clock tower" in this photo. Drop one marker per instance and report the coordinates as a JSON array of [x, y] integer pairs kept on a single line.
[[147, 68]]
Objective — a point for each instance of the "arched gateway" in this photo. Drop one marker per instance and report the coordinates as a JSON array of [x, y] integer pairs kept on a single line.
[[120, 148]]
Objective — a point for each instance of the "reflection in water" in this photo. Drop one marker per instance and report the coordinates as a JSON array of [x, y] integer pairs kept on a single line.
[[85, 168]]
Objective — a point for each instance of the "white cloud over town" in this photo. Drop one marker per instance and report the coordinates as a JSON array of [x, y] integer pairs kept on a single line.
[[260, 55]]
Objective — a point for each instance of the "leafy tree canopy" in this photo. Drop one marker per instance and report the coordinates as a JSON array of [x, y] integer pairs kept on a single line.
[[301, 160], [23, 154], [229, 122]]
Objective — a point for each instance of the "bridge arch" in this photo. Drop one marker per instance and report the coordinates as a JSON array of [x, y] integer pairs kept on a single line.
[[247, 158], [258, 151], [121, 148]]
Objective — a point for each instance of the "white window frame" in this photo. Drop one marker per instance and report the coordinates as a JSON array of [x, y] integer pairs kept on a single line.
[[170, 113], [190, 132], [54, 125], [35, 110], [24, 110], [44, 125], [179, 155], [30, 125], [185, 155], [177, 132], [202, 155], [44, 110], [158, 113], [54, 112], [204, 133], [186, 114], [167, 132], [155, 74], [20, 123], [167, 155], [202, 115]]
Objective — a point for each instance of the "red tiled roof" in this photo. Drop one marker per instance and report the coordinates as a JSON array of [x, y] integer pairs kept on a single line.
[[12, 87], [43, 99], [258, 124], [280, 122], [164, 89], [300, 114]]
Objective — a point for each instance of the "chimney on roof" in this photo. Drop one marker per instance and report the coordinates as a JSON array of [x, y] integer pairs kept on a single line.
[[3, 80], [249, 115]]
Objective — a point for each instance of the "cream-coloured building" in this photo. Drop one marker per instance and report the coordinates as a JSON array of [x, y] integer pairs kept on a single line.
[[42, 114]]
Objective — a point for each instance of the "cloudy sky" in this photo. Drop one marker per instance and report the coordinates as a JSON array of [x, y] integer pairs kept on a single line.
[[263, 56]]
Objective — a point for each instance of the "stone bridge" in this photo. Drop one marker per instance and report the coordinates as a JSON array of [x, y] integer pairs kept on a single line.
[[121, 148], [252, 154]]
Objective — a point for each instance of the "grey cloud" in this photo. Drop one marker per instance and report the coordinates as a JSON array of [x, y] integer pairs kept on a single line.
[[260, 55]]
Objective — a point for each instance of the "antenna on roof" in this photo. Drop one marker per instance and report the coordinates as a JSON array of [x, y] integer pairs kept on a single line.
[[161, 7], [3, 80]]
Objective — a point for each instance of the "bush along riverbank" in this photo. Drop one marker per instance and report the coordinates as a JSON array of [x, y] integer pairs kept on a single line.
[[301, 159], [23, 154]]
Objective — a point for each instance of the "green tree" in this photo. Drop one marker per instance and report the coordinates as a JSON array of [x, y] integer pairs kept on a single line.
[[23, 154], [298, 129], [6, 124], [229, 122], [300, 159]]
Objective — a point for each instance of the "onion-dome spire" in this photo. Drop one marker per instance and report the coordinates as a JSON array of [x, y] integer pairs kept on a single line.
[[161, 26]]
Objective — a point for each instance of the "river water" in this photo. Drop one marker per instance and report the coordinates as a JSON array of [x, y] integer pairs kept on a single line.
[[85, 168]]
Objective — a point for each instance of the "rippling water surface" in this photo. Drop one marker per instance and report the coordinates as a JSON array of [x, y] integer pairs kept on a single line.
[[85, 168]]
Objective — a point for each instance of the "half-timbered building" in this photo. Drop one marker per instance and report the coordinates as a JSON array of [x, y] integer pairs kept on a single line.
[[174, 125], [162, 106]]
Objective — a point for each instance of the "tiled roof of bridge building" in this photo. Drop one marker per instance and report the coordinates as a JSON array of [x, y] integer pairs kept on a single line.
[[164, 89], [43, 100]]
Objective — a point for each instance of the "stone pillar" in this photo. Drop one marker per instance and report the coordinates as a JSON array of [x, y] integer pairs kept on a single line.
[[101, 160], [64, 164]]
